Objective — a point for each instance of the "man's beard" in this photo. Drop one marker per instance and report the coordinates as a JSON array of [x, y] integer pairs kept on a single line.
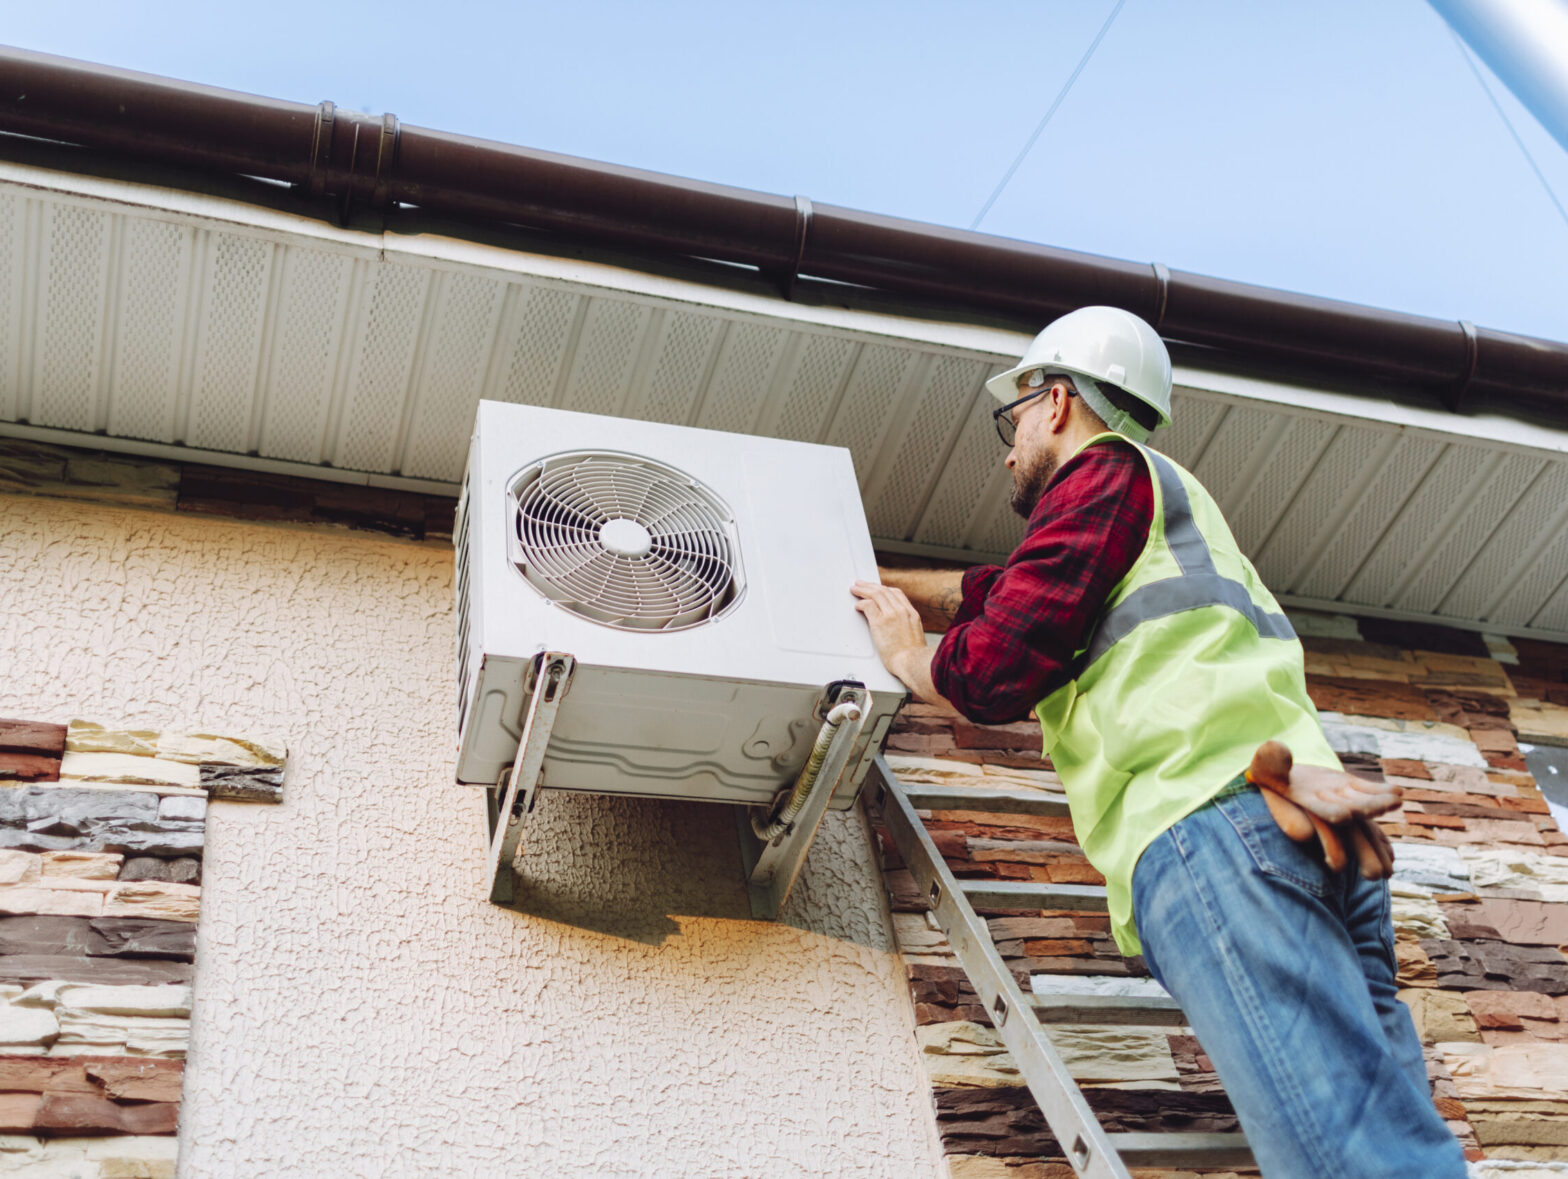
[[1029, 483]]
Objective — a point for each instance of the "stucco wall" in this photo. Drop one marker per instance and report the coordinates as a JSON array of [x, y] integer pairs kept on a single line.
[[360, 1008]]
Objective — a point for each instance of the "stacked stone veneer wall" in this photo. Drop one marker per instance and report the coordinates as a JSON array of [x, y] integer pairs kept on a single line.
[[101, 836], [1481, 908]]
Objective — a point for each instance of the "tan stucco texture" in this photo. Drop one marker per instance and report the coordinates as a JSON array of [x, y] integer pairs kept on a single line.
[[361, 1009]]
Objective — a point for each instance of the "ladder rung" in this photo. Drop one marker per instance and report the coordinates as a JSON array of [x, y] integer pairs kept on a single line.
[[1000, 800], [1108, 1009], [1032, 894], [1183, 1150]]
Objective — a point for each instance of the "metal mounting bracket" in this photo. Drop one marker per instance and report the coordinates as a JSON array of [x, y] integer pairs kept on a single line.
[[512, 798], [773, 868]]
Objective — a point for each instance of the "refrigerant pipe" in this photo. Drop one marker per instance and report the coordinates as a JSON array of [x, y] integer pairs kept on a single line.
[[768, 829]]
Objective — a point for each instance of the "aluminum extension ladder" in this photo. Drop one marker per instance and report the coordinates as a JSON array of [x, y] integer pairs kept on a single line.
[[1020, 1019]]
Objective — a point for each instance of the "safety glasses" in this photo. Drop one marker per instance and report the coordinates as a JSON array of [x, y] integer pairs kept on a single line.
[[1006, 428]]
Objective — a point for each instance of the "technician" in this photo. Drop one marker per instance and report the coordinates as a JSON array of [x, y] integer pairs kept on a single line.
[[1129, 621]]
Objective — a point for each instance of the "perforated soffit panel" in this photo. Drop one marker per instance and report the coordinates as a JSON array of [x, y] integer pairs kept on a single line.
[[197, 328]]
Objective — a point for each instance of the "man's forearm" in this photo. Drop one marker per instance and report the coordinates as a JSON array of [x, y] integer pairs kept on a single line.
[[897, 632], [935, 593], [913, 667]]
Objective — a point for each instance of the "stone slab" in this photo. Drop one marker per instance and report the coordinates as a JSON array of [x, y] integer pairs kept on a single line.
[[1516, 868], [1525, 1071], [1382, 698], [243, 784], [187, 808], [124, 937], [979, 1166], [143, 937], [152, 1079], [1440, 1015], [175, 870], [20, 1027], [82, 865], [1497, 966], [18, 1113], [1348, 738], [39, 934], [1013, 928], [1530, 923], [61, 902], [126, 767], [29, 767], [38, 1074], [1539, 722], [190, 748], [29, 805], [936, 771], [119, 1077], [100, 1032], [1466, 778], [38, 737], [1006, 1122], [1416, 913], [1023, 737], [166, 1000], [1509, 1009], [135, 839], [119, 1157], [965, 1053], [20, 867], [82, 1114], [1430, 868], [170, 902], [32, 968], [1501, 1123]]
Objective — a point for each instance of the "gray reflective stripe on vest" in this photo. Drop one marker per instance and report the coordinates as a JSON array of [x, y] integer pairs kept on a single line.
[[1181, 533], [1199, 585]]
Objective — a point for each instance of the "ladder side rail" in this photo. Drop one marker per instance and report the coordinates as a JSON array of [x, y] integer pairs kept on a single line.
[[1078, 1131]]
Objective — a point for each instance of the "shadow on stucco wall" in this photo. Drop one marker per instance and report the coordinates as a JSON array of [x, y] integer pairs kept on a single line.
[[632, 867]]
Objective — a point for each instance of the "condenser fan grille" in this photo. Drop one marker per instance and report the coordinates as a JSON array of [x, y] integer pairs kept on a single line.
[[625, 541]]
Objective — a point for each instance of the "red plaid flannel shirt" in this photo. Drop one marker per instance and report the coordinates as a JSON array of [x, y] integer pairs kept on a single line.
[[1021, 623]]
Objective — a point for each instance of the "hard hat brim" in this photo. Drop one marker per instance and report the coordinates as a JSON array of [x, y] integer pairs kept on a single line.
[[1004, 386]]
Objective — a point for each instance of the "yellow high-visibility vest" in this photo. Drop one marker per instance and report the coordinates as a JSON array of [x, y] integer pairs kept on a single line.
[[1191, 666]]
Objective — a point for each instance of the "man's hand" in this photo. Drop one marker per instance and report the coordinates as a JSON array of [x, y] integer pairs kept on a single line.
[[1335, 806], [894, 622], [898, 636]]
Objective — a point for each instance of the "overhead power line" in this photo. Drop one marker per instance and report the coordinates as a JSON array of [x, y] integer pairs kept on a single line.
[[1066, 86], [1486, 88]]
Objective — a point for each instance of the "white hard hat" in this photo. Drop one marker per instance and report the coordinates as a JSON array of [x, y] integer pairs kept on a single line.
[[1105, 344]]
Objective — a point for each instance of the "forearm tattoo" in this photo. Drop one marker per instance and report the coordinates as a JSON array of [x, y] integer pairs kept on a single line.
[[946, 603]]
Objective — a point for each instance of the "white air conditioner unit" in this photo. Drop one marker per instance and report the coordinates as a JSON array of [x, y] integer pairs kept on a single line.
[[657, 610]]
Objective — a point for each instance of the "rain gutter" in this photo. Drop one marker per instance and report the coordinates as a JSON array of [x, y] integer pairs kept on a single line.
[[360, 159]]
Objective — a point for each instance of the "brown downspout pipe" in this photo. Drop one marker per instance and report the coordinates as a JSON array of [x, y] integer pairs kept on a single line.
[[361, 158]]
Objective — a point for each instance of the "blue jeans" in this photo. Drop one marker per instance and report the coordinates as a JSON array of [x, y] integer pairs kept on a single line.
[[1286, 973]]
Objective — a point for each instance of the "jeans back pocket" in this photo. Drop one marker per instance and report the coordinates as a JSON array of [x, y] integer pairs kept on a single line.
[[1274, 852]]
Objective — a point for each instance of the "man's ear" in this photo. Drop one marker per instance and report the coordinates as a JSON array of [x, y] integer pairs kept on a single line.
[[1061, 401]]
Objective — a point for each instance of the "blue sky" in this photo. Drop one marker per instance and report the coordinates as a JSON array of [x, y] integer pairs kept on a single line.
[[1339, 148]]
